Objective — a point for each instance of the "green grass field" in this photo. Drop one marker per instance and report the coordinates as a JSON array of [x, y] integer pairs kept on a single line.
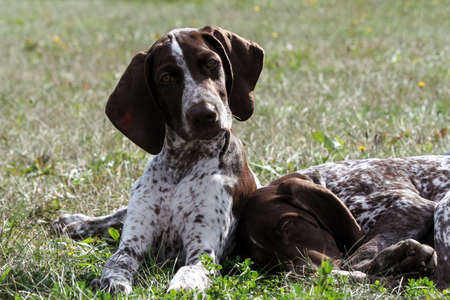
[[342, 80]]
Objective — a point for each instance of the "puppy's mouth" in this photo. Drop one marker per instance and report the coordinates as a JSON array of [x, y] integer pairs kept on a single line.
[[209, 133]]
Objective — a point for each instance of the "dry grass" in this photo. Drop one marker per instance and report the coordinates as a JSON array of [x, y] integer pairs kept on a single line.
[[348, 69]]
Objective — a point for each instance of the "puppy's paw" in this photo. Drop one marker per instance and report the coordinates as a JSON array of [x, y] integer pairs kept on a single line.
[[71, 224], [190, 278], [418, 258], [111, 285], [407, 256]]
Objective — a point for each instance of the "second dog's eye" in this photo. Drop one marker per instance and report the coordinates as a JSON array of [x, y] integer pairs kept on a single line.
[[212, 63], [165, 78]]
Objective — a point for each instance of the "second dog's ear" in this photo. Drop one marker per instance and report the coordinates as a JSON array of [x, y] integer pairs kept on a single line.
[[325, 206], [133, 110], [246, 60]]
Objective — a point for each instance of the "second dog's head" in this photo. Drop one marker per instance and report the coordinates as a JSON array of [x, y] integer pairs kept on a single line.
[[293, 219], [192, 80]]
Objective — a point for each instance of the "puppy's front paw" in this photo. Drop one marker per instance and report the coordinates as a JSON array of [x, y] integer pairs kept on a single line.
[[407, 256], [111, 285], [190, 278], [418, 258]]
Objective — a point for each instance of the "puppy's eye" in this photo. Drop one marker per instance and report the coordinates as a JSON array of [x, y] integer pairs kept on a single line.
[[212, 63], [166, 78]]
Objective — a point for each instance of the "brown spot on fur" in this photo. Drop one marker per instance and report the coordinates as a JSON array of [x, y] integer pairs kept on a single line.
[[198, 219]]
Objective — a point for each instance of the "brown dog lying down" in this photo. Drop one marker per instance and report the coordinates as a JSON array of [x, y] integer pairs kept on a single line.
[[386, 214]]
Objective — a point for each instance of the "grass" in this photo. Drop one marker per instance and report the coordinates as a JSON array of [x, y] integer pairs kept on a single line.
[[342, 80]]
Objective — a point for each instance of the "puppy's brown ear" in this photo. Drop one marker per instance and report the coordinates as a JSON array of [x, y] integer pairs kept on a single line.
[[133, 110], [327, 207], [246, 60]]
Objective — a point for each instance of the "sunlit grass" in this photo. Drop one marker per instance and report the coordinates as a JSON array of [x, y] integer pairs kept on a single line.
[[342, 80]]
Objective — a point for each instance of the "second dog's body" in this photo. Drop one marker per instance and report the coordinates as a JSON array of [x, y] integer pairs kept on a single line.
[[400, 205]]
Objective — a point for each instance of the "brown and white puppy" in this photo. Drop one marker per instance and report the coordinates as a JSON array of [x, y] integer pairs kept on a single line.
[[398, 209], [177, 100]]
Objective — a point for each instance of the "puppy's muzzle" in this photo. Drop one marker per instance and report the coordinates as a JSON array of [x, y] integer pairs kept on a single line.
[[203, 120]]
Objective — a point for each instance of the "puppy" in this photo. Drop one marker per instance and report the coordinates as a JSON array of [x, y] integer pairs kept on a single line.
[[388, 214], [177, 101]]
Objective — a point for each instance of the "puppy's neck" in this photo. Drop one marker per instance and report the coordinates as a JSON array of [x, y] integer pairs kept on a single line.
[[178, 150]]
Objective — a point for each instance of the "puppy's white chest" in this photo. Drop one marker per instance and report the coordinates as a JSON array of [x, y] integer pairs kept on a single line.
[[198, 203]]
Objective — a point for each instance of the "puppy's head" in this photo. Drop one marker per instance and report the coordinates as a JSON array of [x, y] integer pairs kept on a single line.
[[295, 218], [193, 80]]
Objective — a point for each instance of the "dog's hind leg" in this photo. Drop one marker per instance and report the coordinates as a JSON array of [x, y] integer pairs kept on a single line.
[[80, 226]]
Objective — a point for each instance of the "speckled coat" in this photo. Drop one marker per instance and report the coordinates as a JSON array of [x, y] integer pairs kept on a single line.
[[395, 211]]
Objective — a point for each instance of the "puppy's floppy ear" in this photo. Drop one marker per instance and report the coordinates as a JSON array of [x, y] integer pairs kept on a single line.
[[246, 62], [291, 175], [327, 207], [132, 107]]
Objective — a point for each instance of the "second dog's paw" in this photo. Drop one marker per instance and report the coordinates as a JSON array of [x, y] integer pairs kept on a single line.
[[419, 258], [407, 256]]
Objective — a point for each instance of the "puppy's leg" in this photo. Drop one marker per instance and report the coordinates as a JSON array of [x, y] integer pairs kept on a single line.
[[442, 241], [138, 232], [207, 224], [82, 226], [136, 236]]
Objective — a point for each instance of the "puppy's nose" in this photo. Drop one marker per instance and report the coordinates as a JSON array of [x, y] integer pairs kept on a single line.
[[202, 115]]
